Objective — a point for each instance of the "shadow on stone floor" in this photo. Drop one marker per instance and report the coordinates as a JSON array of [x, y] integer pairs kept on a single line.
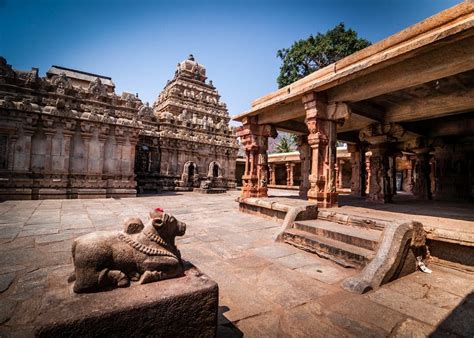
[[402, 203], [407, 204], [459, 321], [225, 328]]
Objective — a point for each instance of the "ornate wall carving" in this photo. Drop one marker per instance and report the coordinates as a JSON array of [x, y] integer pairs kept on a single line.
[[68, 135]]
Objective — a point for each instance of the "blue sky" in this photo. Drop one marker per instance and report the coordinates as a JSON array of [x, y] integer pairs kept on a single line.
[[139, 43]]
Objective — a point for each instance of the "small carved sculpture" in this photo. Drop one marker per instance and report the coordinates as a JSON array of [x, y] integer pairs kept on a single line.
[[108, 259]]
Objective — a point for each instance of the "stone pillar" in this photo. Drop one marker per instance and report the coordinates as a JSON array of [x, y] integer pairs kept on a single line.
[[380, 182], [422, 187], [368, 155], [321, 122], [289, 173], [254, 138], [305, 156], [358, 165], [380, 136], [271, 168]]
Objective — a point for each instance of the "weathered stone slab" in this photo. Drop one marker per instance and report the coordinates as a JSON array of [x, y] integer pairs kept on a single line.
[[184, 307]]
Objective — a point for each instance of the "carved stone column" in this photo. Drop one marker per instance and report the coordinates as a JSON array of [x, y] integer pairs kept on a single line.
[[379, 136], [305, 156], [422, 171], [254, 138], [271, 168], [380, 182], [289, 173], [321, 121], [368, 155], [358, 183]]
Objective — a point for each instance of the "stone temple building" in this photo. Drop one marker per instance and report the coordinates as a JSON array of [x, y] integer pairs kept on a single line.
[[196, 146], [69, 135]]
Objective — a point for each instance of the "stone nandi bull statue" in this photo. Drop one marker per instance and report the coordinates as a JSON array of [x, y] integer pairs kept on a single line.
[[107, 259]]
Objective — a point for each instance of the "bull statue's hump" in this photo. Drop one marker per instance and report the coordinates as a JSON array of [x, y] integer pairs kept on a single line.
[[140, 253]]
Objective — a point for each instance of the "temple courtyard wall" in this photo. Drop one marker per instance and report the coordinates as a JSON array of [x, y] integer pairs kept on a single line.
[[69, 135], [265, 288]]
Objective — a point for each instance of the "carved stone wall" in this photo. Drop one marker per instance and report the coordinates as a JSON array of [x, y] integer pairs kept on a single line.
[[68, 135], [63, 141]]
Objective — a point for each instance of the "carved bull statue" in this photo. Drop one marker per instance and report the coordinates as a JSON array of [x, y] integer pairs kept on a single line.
[[108, 259]]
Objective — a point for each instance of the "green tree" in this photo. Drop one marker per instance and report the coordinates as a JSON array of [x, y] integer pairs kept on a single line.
[[285, 145], [318, 51]]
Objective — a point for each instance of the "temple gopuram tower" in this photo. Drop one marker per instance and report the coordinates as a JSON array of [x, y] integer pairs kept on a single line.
[[197, 148]]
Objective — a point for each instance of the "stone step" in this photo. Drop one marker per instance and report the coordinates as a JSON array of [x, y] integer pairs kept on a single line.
[[342, 253], [353, 220], [362, 237]]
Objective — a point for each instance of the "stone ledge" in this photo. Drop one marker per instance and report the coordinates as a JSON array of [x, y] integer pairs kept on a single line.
[[276, 209], [184, 307], [211, 190]]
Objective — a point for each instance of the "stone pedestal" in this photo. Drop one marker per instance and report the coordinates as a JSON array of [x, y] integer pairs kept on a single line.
[[179, 307]]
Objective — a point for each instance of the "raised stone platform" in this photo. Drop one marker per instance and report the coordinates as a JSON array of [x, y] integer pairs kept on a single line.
[[278, 208], [179, 307]]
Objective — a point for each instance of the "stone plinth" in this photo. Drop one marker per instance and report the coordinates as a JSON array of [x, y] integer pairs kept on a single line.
[[179, 307]]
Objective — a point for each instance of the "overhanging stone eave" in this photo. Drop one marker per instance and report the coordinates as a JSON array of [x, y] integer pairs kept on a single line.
[[412, 40]]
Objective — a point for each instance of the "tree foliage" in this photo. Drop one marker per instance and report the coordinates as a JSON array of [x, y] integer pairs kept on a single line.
[[285, 145], [318, 51]]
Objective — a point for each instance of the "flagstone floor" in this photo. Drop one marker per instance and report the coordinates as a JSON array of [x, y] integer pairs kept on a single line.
[[267, 289]]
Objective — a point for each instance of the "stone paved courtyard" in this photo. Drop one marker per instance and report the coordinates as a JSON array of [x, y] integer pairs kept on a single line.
[[266, 288]]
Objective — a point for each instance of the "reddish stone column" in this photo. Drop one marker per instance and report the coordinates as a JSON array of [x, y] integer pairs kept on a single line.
[[322, 139], [254, 138], [289, 173], [271, 168], [368, 155]]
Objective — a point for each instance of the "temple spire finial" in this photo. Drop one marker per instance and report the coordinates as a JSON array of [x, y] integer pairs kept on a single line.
[[191, 57]]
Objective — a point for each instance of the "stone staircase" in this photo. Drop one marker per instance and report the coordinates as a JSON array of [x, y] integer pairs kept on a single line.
[[382, 250], [350, 245]]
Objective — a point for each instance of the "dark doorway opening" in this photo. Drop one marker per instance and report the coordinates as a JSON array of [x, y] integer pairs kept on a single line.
[[191, 170]]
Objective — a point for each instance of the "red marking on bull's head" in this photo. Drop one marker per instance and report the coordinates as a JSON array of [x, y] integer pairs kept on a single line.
[[159, 210]]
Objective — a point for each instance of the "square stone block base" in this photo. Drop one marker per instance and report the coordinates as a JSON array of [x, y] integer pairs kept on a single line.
[[179, 307]]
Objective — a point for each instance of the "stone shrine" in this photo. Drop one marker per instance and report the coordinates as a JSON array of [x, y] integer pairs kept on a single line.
[[196, 142], [69, 135]]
